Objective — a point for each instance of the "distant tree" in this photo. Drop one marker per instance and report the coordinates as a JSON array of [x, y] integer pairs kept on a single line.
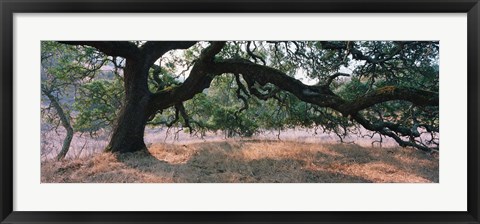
[[391, 88]]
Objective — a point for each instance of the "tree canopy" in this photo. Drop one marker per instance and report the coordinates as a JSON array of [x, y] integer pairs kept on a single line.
[[244, 87]]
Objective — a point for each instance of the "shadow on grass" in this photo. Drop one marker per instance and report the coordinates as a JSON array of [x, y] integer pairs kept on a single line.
[[221, 169], [219, 163], [249, 162]]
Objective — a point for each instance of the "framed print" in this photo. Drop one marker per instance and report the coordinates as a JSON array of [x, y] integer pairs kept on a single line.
[[239, 111]]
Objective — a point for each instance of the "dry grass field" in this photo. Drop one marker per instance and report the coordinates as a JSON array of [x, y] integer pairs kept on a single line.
[[249, 161]]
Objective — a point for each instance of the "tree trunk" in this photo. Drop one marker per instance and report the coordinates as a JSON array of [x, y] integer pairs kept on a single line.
[[128, 132], [66, 144], [65, 123]]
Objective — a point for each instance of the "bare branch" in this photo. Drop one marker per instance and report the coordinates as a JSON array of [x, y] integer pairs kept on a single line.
[[253, 55]]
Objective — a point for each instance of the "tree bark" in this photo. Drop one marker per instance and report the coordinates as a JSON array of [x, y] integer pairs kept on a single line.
[[128, 132]]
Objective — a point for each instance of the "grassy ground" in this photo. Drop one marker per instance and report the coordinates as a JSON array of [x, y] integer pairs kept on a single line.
[[251, 161]]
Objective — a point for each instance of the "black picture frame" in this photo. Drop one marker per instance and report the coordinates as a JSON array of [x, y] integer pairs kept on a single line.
[[9, 7]]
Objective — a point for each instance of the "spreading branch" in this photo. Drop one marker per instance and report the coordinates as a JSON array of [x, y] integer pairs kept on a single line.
[[198, 80], [202, 75], [391, 130]]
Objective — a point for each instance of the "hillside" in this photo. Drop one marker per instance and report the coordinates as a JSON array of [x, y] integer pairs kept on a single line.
[[249, 161]]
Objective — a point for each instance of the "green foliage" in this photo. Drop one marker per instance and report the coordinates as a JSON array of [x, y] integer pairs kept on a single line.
[[97, 104], [218, 110], [352, 89]]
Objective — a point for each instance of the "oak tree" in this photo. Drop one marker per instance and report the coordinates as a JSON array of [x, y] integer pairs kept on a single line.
[[387, 87]]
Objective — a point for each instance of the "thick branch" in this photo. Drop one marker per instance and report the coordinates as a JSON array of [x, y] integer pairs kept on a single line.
[[322, 95], [198, 80], [388, 93], [318, 95], [263, 74]]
